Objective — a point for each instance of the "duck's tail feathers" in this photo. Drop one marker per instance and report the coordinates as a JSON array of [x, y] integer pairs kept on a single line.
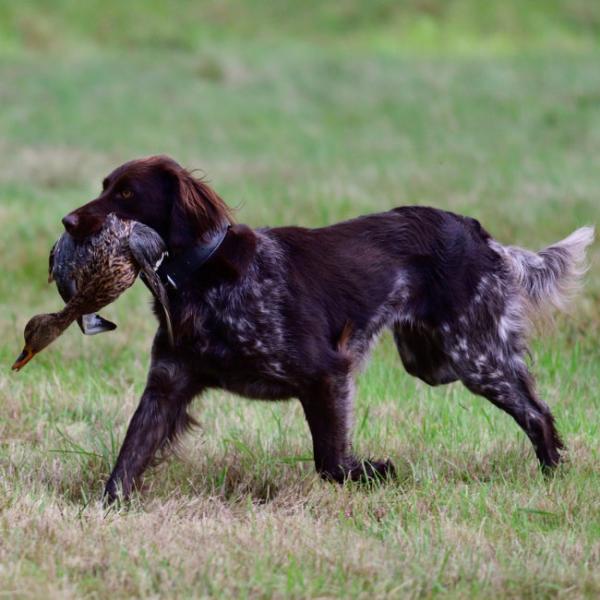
[[93, 324]]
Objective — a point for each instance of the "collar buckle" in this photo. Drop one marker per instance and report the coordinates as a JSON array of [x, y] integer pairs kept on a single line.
[[170, 281], [176, 270]]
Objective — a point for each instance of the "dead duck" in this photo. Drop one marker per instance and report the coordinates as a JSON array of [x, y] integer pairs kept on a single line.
[[93, 272], [66, 263]]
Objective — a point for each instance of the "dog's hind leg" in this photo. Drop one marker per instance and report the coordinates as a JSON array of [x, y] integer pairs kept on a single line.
[[160, 417], [509, 385]]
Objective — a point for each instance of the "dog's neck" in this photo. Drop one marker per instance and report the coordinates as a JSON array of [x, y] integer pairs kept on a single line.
[[180, 266], [224, 255]]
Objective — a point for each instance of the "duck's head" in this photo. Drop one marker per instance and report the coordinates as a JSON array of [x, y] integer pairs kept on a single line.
[[40, 331]]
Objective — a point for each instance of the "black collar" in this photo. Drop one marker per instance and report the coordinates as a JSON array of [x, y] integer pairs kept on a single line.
[[176, 270]]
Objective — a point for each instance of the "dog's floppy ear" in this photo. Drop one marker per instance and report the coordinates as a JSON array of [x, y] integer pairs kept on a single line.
[[197, 210]]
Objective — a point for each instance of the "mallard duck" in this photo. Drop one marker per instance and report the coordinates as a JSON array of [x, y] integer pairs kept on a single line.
[[66, 264], [92, 273]]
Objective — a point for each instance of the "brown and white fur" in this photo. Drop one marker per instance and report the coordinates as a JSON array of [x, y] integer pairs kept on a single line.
[[290, 312]]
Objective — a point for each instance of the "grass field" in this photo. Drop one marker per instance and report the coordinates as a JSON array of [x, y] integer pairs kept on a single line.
[[298, 116]]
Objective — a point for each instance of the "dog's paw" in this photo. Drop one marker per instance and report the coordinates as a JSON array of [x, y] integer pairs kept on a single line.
[[365, 470]]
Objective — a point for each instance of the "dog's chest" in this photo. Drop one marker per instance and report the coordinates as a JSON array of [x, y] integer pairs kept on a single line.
[[238, 327]]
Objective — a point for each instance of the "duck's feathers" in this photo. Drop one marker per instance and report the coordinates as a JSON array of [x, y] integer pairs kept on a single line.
[[147, 247], [122, 248], [155, 285], [93, 324], [60, 270], [51, 262], [149, 250]]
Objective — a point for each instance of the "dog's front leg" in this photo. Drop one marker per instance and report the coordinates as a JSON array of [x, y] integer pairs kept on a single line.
[[160, 416], [328, 407]]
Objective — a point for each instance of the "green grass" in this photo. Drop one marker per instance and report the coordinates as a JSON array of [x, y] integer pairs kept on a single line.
[[308, 117]]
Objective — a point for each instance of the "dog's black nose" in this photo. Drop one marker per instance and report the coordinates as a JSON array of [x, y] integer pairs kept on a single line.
[[70, 222]]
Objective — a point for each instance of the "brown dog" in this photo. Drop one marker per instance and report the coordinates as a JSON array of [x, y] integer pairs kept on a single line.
[[291, 312]]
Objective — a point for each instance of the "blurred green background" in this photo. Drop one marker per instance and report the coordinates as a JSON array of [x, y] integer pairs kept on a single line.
[[414, 26], [298, 113]]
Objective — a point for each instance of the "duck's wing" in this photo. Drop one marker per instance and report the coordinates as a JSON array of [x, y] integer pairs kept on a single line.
[[58, 271], [147, 247], [149, 250], [155, 285], [51, 260]]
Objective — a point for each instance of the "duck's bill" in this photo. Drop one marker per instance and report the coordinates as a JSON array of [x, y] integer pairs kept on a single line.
[[23, 359]]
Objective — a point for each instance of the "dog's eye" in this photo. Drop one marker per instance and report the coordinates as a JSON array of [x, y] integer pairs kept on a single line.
[[126, 194]]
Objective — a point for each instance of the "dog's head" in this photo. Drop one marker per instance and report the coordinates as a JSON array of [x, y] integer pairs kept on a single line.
[[158, 192]]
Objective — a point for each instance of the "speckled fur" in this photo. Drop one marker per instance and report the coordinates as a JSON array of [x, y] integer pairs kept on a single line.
[[292, 313]]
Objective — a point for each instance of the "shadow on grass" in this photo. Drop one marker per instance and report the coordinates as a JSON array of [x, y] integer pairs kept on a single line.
[[242, 475]]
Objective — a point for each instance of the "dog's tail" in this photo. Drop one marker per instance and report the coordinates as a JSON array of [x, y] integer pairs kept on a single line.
[[552, 277]]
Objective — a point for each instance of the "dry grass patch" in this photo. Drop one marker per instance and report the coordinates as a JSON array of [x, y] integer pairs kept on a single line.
[[301, 133]]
